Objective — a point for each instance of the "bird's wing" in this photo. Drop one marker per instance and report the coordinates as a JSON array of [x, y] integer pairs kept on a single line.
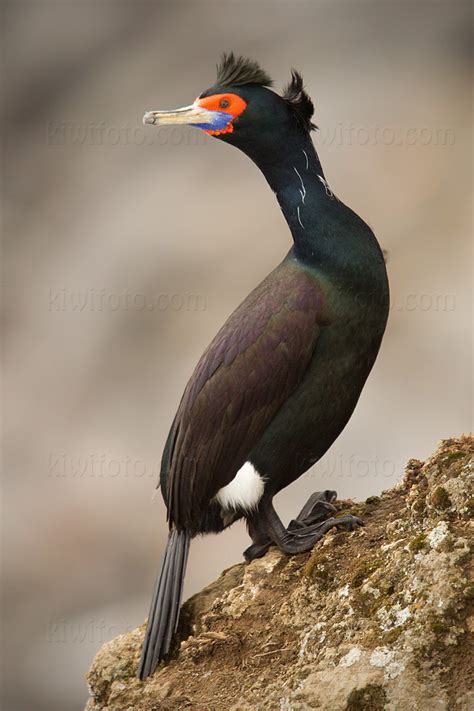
[[251, 367]]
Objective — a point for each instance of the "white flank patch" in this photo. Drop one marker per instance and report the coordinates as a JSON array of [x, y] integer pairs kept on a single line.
[[244, 491]]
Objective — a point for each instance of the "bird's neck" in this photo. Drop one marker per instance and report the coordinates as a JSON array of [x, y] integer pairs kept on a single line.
[[295, 175]]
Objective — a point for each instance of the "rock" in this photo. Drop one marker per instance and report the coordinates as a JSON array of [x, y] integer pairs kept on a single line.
[[381, 618]]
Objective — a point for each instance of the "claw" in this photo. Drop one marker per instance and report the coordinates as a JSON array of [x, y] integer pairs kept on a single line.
[[257, 550], [352, 522]]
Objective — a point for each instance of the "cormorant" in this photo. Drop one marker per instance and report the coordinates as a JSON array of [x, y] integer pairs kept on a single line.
[[281, 378]]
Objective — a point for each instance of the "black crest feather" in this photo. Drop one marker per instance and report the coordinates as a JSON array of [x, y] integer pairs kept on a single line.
[[239, 70], [299, 101]]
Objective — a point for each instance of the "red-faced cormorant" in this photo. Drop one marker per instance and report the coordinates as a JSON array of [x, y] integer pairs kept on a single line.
[[280, 380]]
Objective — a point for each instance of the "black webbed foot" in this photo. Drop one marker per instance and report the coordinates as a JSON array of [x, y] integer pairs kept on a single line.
[[318, 507], [314, 520], [303, 539]]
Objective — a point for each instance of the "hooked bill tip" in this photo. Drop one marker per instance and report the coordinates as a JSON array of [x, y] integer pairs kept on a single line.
[[148, 117]]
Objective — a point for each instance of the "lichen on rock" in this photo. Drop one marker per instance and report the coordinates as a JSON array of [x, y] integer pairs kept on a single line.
[[380, 618]]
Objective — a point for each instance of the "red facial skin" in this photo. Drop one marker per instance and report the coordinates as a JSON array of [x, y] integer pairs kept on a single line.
[[230, 103]]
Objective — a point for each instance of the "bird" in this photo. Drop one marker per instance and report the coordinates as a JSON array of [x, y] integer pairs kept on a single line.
[[282, 377]]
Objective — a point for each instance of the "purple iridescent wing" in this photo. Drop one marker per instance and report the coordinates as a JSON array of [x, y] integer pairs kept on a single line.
[[254, 363]]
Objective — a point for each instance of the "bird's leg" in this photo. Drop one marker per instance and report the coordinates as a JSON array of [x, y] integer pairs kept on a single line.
[[266, 528], [261, 541]]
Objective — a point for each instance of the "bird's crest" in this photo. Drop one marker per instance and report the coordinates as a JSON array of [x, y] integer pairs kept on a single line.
[[239, 70], [299, 101]]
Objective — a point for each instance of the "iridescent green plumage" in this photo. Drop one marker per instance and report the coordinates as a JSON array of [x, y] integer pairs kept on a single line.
[[280, 380]]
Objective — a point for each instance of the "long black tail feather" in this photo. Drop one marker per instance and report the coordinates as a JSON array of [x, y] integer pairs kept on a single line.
[[165, 603]]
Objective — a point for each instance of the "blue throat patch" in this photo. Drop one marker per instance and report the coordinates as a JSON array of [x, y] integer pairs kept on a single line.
[[219, 121]]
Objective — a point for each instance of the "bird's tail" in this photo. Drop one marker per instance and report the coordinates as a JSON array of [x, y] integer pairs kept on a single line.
[[165, 603]]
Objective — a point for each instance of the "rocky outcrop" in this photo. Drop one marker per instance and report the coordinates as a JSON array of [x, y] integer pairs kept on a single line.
[[380, 618]]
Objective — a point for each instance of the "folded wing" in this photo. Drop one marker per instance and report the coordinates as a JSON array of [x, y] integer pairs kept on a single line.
[[251, 367]]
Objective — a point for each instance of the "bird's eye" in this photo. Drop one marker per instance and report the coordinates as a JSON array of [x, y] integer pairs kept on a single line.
[[224, 103]]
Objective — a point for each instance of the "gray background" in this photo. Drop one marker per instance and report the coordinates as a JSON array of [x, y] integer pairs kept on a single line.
[[103, 214]]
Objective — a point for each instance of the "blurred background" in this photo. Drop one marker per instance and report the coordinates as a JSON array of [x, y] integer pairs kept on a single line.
[[127, 247]]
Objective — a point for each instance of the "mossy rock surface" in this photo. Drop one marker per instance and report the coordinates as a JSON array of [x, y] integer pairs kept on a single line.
[[380, 618]]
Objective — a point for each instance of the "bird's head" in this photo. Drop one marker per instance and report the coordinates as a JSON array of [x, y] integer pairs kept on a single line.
[[241, 109]]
